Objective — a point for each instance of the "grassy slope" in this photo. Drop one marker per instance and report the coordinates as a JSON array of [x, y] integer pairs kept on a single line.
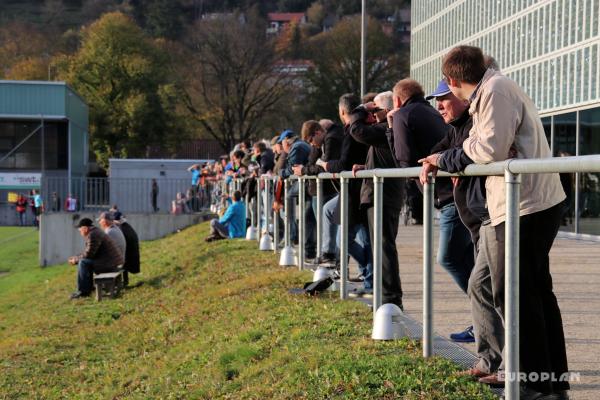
[[207, 321]]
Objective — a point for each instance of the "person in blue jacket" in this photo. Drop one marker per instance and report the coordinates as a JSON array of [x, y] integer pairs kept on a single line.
[[233, 223]]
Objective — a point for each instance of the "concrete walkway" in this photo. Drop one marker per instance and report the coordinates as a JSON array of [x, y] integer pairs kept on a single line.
[[575, 269]]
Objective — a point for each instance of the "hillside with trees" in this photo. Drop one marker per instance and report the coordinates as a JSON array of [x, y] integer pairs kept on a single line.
[[157, 73]]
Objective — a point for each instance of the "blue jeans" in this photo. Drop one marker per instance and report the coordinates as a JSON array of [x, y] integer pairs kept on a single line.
[[323, 221], [359, 247], [455, 251], [85, 276], [330, 228]]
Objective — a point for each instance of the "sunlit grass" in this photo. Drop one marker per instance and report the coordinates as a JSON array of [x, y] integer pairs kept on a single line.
[[204, 321]]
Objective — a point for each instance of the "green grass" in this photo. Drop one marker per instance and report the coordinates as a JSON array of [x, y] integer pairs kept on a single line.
[[206, 321]]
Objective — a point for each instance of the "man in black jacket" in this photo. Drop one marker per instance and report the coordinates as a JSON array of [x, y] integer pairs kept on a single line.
[[326, 139], [352, 153], [132, 249], [469, 195], [264, 157], [380, 156]]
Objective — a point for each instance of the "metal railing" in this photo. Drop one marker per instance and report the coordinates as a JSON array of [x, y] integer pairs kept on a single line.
[[510, 169], [132, 195]]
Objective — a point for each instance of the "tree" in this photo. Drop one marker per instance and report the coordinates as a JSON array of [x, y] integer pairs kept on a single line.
[[29, 69], [124, 77], [233, 83], [24, 44], [336, 58]]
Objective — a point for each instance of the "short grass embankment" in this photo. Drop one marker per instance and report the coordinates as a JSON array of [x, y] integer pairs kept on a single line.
[[204, 321]]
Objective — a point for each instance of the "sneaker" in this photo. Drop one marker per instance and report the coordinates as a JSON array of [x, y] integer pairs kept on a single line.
[[466, 336], [78, 295]]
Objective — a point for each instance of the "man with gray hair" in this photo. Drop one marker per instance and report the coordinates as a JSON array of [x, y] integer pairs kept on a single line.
[[379, 155]]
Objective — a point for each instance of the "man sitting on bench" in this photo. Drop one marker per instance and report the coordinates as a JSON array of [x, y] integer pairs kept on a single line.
[[101, 255]]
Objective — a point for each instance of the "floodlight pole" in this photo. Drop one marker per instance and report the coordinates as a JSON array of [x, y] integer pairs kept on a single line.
[[363, 50]]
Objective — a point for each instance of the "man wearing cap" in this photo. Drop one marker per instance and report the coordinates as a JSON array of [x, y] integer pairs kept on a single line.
[[469, 196], [101, 255], [297, 152]]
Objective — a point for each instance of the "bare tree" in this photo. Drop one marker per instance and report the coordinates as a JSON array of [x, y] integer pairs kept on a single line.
[[232, 81]]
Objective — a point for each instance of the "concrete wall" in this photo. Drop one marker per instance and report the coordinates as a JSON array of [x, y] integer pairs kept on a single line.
[[59, 239]]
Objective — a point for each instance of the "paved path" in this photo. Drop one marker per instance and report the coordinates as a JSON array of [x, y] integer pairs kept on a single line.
[[575, 268]]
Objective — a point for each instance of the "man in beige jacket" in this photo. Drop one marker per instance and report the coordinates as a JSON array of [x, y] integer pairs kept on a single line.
[[506, 125]]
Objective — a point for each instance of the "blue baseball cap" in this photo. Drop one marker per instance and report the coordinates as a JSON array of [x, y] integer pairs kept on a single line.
[[285, 134], [440, 91]]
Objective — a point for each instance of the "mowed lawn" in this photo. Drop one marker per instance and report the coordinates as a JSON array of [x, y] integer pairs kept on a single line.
[[203, 321]]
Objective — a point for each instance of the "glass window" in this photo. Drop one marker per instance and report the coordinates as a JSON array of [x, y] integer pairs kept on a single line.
[[577, 78], [573, 78], [595, 61], [585, 77], [28, 155], [573, 22], [564, 146], [589, 183], [547, 124], [595, 24]]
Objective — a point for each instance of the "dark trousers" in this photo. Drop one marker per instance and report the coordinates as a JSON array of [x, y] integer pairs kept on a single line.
[[542, 339], [391, 285]]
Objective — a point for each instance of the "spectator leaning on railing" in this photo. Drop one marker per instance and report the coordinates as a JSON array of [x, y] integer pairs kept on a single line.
[[505, 118], [373, 134], [352, 152], [469, 195]]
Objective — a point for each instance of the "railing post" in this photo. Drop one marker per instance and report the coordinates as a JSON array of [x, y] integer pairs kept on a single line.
[[377, 242], [319, 212], [258, 211], [428, 267], [266, 243], [344, 239], [286, 208], [511, 288], [287, 257], [275, 225], [301, 222]]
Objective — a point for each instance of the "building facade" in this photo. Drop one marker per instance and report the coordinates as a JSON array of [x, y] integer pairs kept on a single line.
[[43, 134], [551, 48]]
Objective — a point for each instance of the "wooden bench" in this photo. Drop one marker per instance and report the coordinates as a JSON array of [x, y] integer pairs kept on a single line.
[[109, 283]]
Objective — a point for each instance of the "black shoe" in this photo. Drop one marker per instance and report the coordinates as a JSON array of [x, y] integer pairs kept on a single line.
[[79, 295]]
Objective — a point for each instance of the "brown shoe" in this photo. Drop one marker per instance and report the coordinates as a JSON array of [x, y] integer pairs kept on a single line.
[[474, 373], [494, 380]]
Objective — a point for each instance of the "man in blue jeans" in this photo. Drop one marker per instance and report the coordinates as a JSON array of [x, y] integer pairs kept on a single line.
[[233, 223], [101, 255], [456, 251]]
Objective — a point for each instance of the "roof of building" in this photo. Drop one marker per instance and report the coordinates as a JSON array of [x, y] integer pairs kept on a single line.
[[286, 17]]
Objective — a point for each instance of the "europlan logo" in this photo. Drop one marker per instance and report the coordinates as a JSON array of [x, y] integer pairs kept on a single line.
[[540, 376]]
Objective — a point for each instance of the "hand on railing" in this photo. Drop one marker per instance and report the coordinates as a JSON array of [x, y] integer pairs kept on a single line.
[[429, 166], [297, 169], [356, 168]]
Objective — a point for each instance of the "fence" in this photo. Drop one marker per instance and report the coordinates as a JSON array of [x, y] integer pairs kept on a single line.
[[132, 195], [510, 169]]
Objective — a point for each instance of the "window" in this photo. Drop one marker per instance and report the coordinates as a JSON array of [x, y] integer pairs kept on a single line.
[[589, 183], [564, 145], [28, 156]]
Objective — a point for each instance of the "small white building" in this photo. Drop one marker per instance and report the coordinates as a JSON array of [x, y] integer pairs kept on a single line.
[[131, 182]]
